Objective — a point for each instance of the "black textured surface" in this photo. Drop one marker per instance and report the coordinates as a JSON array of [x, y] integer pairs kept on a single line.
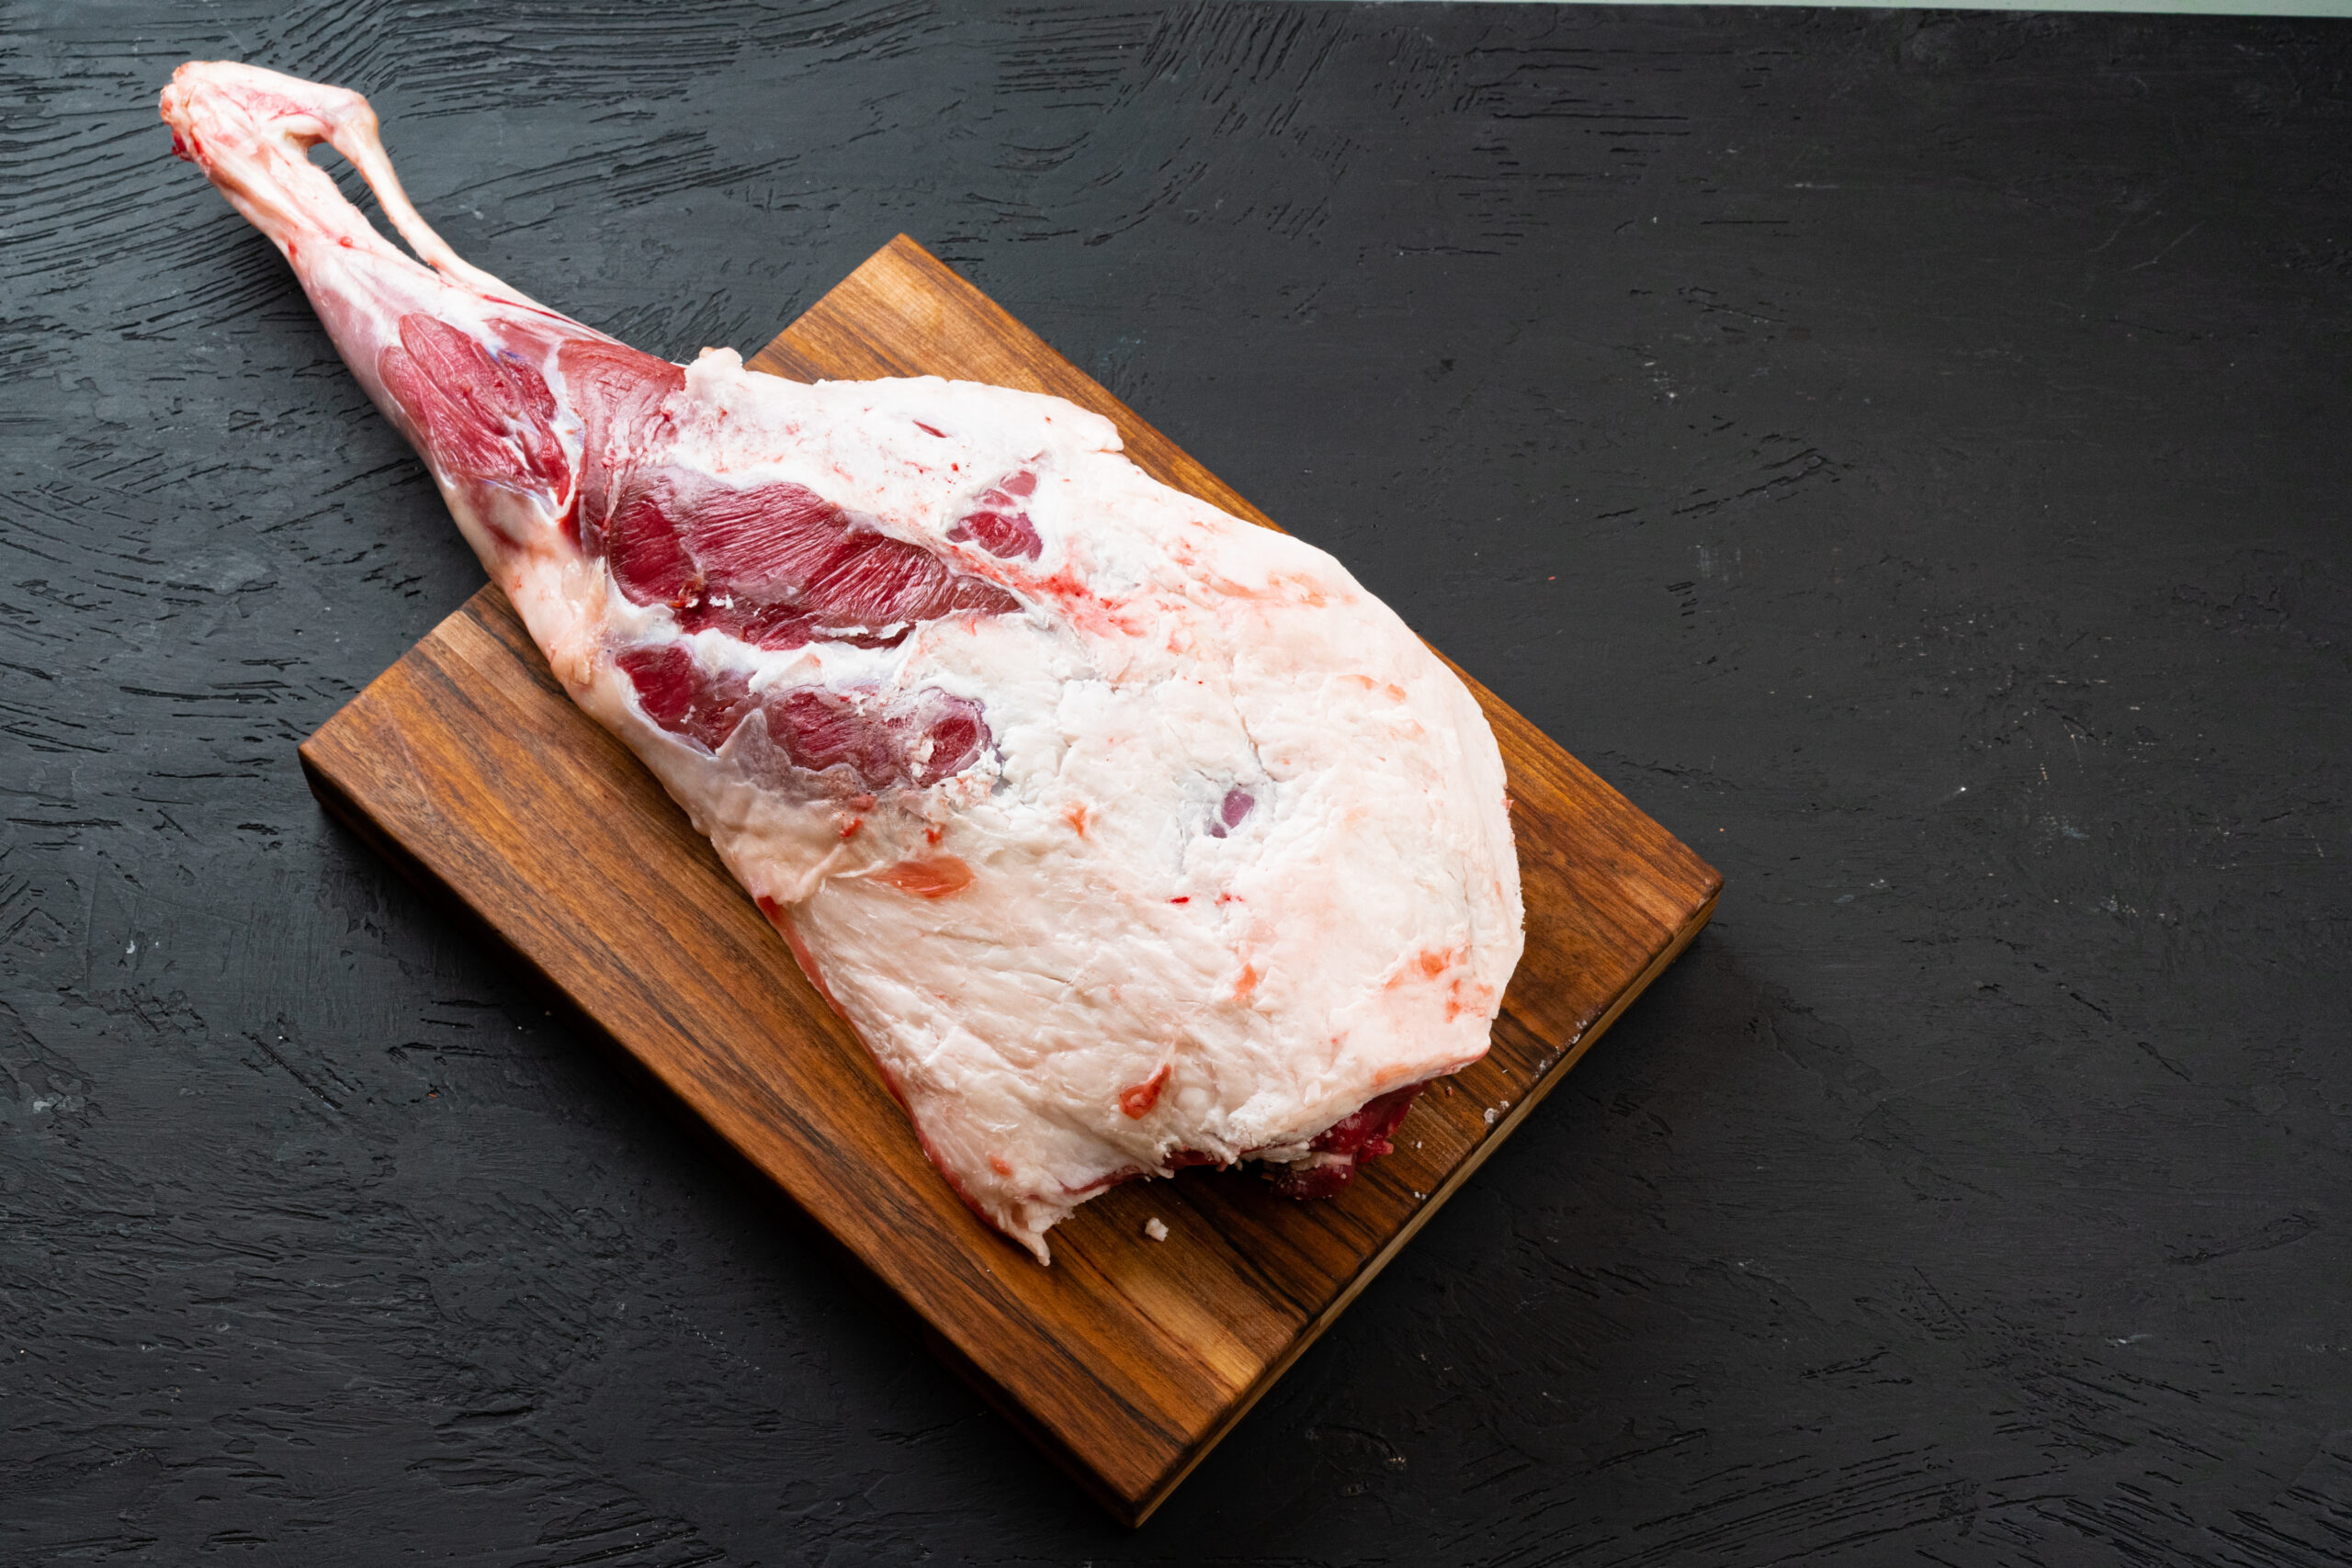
[[1906, 454]]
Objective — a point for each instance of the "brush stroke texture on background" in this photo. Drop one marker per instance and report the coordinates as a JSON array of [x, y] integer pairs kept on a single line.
[[1902, 452]]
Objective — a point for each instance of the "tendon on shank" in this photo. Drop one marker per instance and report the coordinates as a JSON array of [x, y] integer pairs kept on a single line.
[[1128, 835]]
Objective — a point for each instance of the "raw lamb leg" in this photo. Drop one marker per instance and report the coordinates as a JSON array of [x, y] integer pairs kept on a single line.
[[1128, 835]]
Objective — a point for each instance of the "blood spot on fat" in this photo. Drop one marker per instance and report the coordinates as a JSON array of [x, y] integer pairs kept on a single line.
[[1075, 815], [1136, 1100], [1231, 811], [996, 1162], [851, 825], [1246, 982], [1089, 609], [1185, 898], [937, 876], [1462, 996], [929, 430]]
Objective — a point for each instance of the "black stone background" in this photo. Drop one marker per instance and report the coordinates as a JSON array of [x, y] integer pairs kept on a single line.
[[1907, 453]]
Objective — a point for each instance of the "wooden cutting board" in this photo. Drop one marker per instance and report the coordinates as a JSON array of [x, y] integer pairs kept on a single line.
[[466, 764]]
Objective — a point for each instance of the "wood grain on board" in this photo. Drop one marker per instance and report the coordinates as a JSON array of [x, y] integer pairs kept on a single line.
[[1128, 1359]]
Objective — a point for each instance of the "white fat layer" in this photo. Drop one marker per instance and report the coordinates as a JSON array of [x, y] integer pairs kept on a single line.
[[1351, 935]]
